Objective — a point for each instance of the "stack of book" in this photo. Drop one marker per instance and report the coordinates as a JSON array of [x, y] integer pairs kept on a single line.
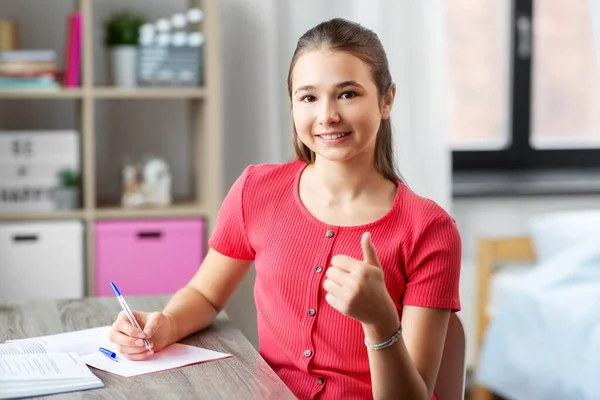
[[28, 69], [39, 69]]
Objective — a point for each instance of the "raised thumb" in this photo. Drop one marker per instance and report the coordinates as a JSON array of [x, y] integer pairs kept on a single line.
[[368, 248]]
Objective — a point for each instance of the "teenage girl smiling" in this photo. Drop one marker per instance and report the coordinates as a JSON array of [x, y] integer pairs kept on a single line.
[[356, 275]]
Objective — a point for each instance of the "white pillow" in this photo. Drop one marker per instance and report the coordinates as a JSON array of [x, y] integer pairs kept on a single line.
[[552, 233]]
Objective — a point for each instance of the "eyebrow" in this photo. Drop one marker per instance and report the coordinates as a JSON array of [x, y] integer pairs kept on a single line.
[[338, 86]]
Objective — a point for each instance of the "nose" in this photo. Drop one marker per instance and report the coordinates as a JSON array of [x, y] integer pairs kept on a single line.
[[328, 113]]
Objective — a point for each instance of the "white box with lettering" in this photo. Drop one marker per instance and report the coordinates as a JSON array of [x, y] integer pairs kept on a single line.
[[41, 260], [30, 162]]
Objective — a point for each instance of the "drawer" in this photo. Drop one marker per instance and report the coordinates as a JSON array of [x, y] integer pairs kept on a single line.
[[147, 257], [41, 260]]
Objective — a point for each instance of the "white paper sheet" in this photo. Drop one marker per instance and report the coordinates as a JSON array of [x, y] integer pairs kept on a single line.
[[87, 342], [173, 356]]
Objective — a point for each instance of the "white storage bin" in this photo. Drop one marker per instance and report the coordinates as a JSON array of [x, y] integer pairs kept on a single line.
[[41, 260], [29, 165]]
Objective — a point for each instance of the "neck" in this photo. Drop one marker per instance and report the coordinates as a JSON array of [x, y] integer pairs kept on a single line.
[[345, 180]]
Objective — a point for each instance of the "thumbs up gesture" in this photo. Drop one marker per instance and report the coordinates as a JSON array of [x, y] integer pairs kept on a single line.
[[357, 288]]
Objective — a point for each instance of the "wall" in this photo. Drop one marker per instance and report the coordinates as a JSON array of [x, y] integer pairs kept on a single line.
[[498, 217]]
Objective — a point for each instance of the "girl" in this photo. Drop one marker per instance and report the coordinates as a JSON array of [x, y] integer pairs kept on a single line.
[[356, 275]]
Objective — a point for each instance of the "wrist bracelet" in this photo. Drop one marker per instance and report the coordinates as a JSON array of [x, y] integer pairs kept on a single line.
[[387, 343]]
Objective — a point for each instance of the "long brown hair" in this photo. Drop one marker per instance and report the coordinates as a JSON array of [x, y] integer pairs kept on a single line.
[[342, 35]]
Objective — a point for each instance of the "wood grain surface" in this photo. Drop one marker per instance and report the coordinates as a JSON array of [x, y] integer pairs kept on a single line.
[[244, 376]]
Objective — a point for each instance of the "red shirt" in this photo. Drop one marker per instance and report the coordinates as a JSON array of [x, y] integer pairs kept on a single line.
[[317, 351]]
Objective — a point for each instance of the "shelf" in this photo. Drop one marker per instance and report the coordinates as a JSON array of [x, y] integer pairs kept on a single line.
[[177, 210], [39, 215], [41, 93], [148, 93]]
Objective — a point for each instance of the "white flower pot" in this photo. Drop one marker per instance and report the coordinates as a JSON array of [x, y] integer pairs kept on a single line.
[[66, 198], [124, 62]]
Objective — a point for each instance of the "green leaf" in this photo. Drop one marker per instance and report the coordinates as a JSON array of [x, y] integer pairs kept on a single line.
[[122, 29]]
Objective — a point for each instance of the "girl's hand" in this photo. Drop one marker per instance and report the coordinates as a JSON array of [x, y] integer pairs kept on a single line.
[[357, 288], [157, 329]]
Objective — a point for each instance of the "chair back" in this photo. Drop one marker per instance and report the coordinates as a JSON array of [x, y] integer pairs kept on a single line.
[[450, 383]]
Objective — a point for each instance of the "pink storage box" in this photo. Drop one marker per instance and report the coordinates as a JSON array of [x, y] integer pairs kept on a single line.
[[147, 257]]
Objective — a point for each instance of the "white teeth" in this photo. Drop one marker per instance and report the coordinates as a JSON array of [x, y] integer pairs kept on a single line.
[[332, 137]]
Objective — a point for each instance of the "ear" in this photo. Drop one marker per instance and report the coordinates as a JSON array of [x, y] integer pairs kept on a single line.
[[388, 101]]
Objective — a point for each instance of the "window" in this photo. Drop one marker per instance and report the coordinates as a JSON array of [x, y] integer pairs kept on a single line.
[[524, 85]]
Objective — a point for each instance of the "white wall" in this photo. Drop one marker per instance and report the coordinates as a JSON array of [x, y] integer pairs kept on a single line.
[[499, 217]]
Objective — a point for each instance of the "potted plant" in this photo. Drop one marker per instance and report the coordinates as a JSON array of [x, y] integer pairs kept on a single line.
[[121, 37], [66, 194]]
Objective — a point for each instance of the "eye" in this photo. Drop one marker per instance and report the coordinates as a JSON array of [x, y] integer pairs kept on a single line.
[[348, 95], [308, 99]]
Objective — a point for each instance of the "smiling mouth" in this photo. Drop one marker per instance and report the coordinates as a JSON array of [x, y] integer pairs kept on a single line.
[[334, 136]]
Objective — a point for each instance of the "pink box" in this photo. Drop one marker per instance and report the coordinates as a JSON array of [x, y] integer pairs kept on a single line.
[[147, 257]]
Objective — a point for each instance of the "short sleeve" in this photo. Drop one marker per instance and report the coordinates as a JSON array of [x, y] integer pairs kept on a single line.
[[433, 268], [229, 236]]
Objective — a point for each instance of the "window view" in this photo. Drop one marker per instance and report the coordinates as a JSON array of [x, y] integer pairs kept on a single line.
[[566, 82], [478, 37]]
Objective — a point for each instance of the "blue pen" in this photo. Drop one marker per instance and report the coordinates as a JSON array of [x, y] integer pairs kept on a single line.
[[110, 354], [128, 312]]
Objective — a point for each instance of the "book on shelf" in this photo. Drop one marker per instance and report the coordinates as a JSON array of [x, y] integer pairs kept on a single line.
[[73, 51]]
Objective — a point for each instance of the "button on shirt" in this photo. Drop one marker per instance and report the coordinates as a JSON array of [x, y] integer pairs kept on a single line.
[[305, 340]]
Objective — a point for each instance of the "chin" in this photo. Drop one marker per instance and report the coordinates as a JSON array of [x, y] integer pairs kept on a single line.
[[336, 156]]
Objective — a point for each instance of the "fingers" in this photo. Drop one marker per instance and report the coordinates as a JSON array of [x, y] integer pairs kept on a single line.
[[145, 353], [136, 349], [122, 324], [339, 275], [122, 339], [344, 262], [333, 288], [128, 339], [334, 302], [368, 248], [155, 321]]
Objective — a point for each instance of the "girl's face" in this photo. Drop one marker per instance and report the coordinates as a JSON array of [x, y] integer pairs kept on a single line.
[[335, 105]]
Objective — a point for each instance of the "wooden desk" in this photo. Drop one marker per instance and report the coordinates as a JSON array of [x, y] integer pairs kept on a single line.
[[244, 376]]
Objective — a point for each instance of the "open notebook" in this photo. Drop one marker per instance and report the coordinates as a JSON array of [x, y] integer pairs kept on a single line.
[[36, 374], [86, 344]]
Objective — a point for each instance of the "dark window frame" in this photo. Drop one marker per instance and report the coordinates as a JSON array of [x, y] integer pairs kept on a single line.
[[520, 155]]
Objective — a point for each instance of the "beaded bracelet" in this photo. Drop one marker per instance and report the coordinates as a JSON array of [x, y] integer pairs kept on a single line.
[[387, 343]]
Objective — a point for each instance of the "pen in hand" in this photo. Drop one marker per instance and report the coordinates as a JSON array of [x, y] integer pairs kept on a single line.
[[128, 312]]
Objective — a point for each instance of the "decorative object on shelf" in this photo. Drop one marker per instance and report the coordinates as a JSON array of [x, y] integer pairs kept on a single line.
[[66, 194], [146, 184], [122, 36], [170, 52]]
